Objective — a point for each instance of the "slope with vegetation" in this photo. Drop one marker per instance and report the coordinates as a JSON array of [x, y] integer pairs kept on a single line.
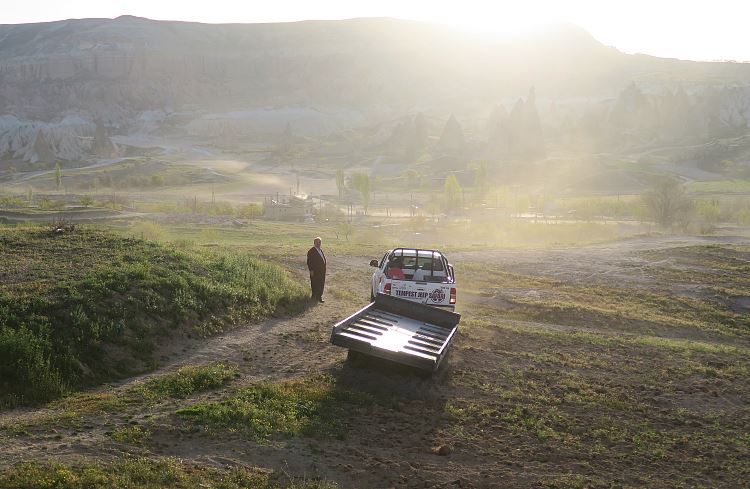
[[89, 306]]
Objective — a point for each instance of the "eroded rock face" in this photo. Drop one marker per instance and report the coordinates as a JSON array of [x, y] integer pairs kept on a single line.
[[637, 117], [68, 139]]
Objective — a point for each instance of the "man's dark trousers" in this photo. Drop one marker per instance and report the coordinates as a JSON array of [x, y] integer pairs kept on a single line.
[[316, 264]]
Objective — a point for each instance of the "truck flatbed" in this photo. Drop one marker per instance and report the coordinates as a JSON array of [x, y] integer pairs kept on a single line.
[[399, 330]]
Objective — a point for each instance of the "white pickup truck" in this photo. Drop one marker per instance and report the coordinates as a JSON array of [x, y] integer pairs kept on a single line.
[[422, 276]]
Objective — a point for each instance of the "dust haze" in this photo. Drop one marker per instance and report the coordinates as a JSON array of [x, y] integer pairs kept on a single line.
[[555, 127], [594, 204]]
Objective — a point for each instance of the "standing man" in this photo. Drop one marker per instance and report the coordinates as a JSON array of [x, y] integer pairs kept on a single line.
[[316, 263]]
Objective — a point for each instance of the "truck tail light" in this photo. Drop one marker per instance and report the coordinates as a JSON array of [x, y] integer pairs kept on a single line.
[[387, 289], [453, 295]]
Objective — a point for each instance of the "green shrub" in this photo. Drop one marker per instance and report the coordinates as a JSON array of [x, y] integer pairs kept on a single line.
[[183, 244], [47, 204], [132, 435], [27, 374], [249, 210], [12, 202], [87, 200], [148, 230]]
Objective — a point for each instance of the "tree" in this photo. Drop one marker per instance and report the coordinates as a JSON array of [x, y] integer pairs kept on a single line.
[[250, 210], [452, 192], [340, 182], [709, 214], [418, 137], [480, 181], [452, 138], [667, 202], [344, 228], [361, 183], [58, 176]]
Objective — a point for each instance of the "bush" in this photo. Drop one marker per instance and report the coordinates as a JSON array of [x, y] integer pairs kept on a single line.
[[26, 372], [47, 205], [12, 202], [708, 213], [148, 230], [743, 217], [668, 204], [249, 211], [87, 200], [183, 244]]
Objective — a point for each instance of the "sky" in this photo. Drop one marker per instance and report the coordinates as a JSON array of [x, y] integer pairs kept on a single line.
[[697, 30]]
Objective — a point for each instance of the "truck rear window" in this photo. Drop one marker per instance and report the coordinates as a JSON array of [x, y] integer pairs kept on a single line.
[[408, 261]]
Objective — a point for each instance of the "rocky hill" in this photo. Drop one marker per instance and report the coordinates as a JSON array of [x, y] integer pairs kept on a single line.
[[129, 74]]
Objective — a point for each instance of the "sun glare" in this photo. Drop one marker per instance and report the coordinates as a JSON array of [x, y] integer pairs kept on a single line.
[[500, 20]]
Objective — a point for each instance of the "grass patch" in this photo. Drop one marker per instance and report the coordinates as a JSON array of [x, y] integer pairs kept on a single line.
[[720, 187], [312, 407], [132, 435], [142, 473], [88, 307], [188, 380], [70, 411], [372, 237]]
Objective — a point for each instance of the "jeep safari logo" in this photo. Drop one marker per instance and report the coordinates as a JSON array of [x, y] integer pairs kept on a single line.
[[437, 295]]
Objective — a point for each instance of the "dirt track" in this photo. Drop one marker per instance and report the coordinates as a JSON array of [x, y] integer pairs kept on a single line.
[[385, 446]]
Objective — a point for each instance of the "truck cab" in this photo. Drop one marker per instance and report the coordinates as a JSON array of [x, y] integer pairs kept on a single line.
[[417, 275]]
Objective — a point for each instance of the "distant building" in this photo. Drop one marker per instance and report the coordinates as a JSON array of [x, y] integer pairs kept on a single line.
[[291, 208]]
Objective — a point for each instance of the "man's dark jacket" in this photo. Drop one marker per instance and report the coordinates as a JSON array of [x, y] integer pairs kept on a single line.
[[315, 262]]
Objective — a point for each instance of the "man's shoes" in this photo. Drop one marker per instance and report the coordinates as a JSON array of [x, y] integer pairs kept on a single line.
[[320, 299]]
